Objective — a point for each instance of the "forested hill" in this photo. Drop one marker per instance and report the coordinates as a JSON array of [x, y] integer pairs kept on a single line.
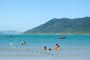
[[63, 25]]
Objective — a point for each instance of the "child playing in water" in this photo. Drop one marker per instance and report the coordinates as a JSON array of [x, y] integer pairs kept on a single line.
[[45, 48], [50, 49]]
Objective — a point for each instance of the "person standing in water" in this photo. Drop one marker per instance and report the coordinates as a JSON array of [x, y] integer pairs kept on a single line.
[[23, 43], [45, 48], [57, 47]]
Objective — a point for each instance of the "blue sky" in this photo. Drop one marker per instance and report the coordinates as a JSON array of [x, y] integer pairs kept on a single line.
[[21, 15]]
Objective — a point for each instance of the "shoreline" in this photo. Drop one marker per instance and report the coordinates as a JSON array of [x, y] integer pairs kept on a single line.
[[56, 34], [46, 34]]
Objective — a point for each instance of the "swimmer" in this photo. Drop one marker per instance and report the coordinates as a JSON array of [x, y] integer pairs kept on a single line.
[[50, 49], [23, 43], [45, 48], [57, 47]]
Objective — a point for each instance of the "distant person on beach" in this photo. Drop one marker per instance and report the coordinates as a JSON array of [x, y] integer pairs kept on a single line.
[[57, 47], [23, 43], [45, 48]]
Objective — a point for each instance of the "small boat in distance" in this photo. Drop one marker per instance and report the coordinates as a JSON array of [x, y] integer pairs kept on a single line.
[[63, 37], [9, 36]]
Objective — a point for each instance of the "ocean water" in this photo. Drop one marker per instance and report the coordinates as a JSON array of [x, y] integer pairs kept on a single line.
[[73, 47]]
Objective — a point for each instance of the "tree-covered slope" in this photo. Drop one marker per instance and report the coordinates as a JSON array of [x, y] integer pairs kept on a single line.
[[63, 25]]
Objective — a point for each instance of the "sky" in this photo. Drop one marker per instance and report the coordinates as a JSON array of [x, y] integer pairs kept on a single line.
[[22, 15]]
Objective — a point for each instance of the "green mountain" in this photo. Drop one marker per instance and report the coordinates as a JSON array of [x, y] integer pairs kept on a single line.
[[63, 25]]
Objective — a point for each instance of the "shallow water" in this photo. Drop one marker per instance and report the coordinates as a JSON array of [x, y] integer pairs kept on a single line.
[[73, 47]]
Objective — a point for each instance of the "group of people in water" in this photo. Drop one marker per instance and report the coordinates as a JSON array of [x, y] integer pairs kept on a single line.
[[57, 48], [45, 48]]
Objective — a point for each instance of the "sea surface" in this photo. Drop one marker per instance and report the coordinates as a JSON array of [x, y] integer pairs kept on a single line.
[[72, 47]]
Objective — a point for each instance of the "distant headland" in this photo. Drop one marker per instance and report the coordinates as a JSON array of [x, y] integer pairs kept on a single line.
[[63, 26]]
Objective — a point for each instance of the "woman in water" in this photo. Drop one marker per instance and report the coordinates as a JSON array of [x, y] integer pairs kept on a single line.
[[57, 47]]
